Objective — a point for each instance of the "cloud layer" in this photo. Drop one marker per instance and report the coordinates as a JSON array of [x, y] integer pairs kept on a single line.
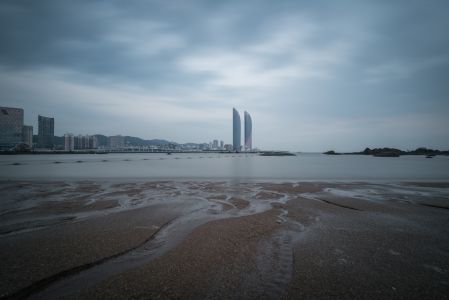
[[314, 75]]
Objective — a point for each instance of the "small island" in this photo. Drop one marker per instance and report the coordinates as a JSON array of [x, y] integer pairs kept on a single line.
[[392, 152]]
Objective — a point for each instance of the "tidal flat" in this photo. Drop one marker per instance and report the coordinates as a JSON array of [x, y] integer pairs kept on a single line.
[[103, 239]]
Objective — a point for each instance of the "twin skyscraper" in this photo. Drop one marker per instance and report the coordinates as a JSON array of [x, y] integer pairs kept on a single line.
[[237, 131]]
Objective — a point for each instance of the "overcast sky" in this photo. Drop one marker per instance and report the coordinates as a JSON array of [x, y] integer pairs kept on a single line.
[[314, 75]]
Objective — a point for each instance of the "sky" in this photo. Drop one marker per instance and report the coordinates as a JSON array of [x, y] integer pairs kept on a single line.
[[314, 75]]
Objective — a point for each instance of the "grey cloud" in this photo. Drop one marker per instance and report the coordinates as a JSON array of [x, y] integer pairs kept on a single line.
[[296, 61]]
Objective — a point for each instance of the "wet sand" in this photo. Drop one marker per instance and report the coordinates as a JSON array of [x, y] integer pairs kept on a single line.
[[210, 240]]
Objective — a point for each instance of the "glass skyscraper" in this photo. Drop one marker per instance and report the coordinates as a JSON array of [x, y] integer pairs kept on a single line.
[[236, 131], [46, 132], [248, 132], [11, 124]]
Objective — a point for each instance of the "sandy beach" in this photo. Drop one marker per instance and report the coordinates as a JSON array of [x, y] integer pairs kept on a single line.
[[219, 239]]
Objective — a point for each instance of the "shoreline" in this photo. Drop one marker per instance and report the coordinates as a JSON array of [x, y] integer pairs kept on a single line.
[[229, 238], [236, 180]]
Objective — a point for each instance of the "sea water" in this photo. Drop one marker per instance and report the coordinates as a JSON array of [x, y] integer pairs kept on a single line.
[[217, 166]]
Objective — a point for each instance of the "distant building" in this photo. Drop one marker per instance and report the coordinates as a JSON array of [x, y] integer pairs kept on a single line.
[[215, 144], [221, 145], [116, 141], [69, 142], [248, 132], [46, 132], [11, 125], [236, 131], [27, 135], [83, 142], [78, 142], [204, 146], [228, 147], [93, 142]]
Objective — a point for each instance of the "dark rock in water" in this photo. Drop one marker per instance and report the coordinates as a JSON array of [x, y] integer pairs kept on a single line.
[[425, 151], [331, 152], [387, 152], [277, 153], [367, 151], [382, 152]]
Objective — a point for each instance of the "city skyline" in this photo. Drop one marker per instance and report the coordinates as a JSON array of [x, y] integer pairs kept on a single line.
[[14, 134], [319, 75]]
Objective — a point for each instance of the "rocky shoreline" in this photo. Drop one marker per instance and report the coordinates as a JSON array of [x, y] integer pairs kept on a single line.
[[392, 152]]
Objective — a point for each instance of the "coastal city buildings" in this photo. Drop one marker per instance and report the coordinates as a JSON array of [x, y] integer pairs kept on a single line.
[[80, 142], [236, 131], [228, 147], [46, 132], [27, 135], [93, 142], [15, 136], [116, 141], [248, 132], [11, 126], [69, 142]]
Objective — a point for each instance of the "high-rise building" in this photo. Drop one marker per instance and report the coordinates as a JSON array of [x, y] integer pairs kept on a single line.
[[78, 142], [236, 131], [215, 144], [86, 142], [69, 142], [221, 145], [116, 141], [11, 125], [46, 132], [93, 142], [27, 135], [248, 132], [83, 142]]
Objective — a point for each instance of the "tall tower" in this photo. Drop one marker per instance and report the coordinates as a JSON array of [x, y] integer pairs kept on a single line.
[[248, 132], [236, 131], [11, 124], [46, 132]]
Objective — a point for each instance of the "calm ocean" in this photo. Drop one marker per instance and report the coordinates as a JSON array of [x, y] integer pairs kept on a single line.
[[223, 166]]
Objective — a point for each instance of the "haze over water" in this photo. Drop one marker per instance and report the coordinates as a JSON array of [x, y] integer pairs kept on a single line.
[[155, 166]]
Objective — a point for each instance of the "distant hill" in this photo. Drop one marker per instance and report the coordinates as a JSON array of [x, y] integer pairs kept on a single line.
[[135, 141], [103, 140]]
